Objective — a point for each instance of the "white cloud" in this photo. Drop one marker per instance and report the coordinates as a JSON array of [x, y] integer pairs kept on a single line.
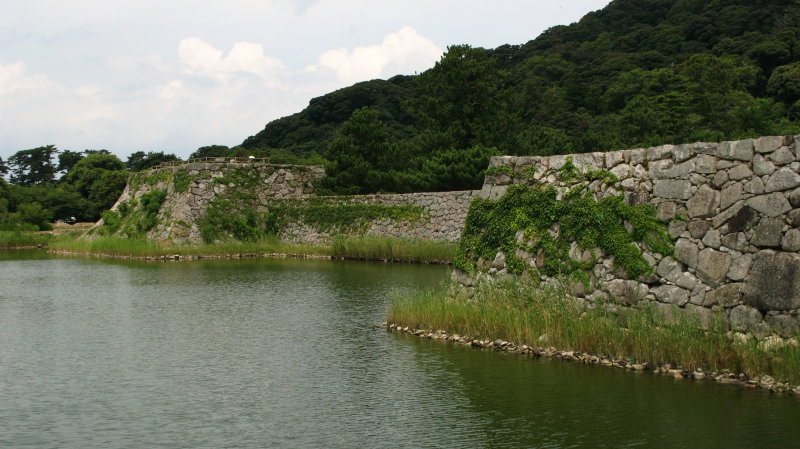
[[402, 52], [14, 77], [169, 91], [200, 58], [99, 74]]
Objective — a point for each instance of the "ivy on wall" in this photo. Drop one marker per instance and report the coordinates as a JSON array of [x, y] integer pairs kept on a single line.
[[234, 217], [134, 218], [535, 223]]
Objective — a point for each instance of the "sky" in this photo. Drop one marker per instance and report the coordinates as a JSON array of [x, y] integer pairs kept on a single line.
[[175, 75]]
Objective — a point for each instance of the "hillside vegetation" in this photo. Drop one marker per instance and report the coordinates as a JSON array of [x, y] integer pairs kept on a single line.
[[636, 73]]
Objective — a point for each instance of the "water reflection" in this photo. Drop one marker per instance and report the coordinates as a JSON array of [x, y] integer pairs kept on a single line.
[[282, 353]]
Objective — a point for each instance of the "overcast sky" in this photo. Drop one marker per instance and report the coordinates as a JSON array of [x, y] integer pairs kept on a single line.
[[174, 75]]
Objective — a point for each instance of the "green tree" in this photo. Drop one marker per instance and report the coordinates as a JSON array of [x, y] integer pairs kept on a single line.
[[140, 160], [34, 166], [67, 159], [718, 86], [364, 158], [3, 168], [105, 191], [458, 103], [33, 213], [455, 169], [784, 83], [100, 178], [211, 151]]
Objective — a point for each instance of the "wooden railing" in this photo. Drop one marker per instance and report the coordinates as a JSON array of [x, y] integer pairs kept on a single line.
[[206, 160]]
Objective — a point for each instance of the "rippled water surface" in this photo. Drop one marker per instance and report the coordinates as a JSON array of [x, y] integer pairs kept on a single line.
[[282, 353]]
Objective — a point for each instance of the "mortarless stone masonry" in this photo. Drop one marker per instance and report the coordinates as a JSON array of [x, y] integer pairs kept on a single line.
[[445, 212], [734, 211]]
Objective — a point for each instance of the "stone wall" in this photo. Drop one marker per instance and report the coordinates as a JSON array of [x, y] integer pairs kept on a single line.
[[190, 188], [177, 219], [442, 220], [733, 209]]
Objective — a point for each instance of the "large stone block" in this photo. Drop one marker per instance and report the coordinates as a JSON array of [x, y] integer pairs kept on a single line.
[[785, 325], [671, 294], [614, 158], [670, 269], [712, 239], [622, 171], [791, 240], [673, 189], [741, 150], [783, 179], [727, 296], [740, 171], [769, 232], [754, 186], [704, 203], [774, 281], [662, 152], [713, 266], [588, 160], [627, 292], [740, 266], [768, 144], [686, 252], [699, 315], [771, 205], [698, 228], [794, 197], [660, 169], [705, 163], [744, 318], [762, 166], [782, 156], [730, 195]]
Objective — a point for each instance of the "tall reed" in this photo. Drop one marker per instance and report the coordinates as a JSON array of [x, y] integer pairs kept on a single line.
[[18, 239], [527, 314], [396, 249], [370, 248]]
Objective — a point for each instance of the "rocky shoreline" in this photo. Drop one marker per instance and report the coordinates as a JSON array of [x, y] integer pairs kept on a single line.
[[726, 377]]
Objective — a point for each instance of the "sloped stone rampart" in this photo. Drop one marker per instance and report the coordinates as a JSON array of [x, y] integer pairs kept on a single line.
[[186, 204], [190, 188], [733, 210]]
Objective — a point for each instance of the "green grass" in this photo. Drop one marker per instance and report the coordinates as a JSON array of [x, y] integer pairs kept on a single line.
[[394, 249], [522, 313], [369, 248], [17, 239]]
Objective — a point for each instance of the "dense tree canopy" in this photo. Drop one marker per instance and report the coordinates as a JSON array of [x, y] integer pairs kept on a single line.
[[34, 166], [92, 183], [365, 155], [636, 73], [140, 160]]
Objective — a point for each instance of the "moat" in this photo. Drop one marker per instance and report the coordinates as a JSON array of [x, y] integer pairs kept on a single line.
[[283, 353]]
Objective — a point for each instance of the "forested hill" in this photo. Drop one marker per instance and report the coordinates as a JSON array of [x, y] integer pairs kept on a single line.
[[313, 128], [636, 73]]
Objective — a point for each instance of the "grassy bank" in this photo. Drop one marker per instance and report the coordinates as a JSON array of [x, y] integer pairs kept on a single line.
[[23, 239], [393, 249], [368, 248], [526, 314]]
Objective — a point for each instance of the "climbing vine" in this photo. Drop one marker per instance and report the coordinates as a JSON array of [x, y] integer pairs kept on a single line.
[[536, 223], [231, 218], [134, 218], [181, 180]]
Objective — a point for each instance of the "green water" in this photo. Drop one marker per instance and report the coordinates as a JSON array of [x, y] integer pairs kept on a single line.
[[282, 353]]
